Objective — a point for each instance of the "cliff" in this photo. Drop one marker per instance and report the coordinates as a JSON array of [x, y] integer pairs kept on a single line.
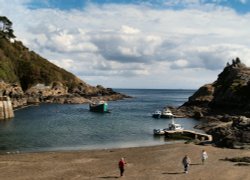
[[27, 78], [228, 94], [224, 106]]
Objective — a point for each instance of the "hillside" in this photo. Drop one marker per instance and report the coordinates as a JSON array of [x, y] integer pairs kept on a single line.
[[228, 94], [27, 77], [224, 106], [18, 64]]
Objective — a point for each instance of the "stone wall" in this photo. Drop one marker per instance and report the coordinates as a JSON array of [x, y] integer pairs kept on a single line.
[[6, 110]]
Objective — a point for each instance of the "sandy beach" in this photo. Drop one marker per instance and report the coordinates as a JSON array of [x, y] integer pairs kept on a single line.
[[156, 162]]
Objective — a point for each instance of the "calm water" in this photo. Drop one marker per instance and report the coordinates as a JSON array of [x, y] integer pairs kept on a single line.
[[71, 127]]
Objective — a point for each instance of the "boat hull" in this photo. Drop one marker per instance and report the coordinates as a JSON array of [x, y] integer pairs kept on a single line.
[[156, 116], [102, 108], [159, 131], [167, 116]]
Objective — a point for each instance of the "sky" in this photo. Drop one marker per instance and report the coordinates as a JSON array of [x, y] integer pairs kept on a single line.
[[153, 44]]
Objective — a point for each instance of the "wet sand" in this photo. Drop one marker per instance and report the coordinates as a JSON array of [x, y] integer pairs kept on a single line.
[[152, 163]]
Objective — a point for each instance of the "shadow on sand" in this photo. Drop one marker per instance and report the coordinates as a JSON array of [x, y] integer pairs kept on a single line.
[[195, 164], [173, 173], [109, 177]]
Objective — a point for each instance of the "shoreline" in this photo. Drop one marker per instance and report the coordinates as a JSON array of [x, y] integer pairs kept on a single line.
[[151, 162], [79, 149]]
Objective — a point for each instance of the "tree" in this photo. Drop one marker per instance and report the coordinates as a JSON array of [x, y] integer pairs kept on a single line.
[[6, 30], [237, 60]]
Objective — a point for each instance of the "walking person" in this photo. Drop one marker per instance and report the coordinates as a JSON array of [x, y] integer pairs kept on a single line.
[[204, 156], [121, 165], [186, 163]]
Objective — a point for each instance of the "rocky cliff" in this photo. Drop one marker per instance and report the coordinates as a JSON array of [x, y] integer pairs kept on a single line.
[[224, 106], [228, 94], [28, 78]]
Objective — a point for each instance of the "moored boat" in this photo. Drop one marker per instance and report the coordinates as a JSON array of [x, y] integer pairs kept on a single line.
[[159, 131], [171, 127], [166, 113], [156, 114], [174, 126], [100, 106]]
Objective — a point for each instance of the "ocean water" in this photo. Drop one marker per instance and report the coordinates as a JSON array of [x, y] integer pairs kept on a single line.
[[53, 127]]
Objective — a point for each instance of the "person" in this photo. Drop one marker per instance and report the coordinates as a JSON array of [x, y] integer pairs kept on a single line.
[[186, 163], [204, 156], [121, 165]]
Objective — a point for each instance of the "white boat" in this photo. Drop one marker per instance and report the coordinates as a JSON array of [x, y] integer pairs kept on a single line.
[[171, 127], [160, 131], [174, 126], [156, 114], [166, 113]]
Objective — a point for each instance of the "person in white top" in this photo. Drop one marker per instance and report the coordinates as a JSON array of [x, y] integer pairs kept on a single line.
[[204, 156]]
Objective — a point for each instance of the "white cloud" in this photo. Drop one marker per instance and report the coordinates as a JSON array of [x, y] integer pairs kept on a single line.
[[181, 63], [115, 42], [129, 30]]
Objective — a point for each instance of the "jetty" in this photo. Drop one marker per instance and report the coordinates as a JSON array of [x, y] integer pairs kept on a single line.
[[6, 109], [189, 134]]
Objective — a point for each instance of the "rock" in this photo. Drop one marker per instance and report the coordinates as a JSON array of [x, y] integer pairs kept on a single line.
[[223, 106], [76, 100], [242, 123], [202, 96], [198, 115], [33, 100], [234, 133], [56, 93]]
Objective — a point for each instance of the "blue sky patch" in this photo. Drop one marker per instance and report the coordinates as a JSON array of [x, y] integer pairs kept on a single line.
[[240, 6]]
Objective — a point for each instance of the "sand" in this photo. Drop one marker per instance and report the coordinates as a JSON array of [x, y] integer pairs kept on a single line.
[[152, 163]]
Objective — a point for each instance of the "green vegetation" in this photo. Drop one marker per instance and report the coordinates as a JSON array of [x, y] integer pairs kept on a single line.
[[19, 65], [6, 30]]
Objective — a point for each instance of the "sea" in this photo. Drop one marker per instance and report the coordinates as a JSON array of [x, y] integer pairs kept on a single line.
[[63, 127]]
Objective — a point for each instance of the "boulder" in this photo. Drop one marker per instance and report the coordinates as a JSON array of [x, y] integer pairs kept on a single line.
[[234, 133]]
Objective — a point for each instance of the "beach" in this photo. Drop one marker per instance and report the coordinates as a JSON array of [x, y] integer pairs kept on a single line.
[[153, 162]]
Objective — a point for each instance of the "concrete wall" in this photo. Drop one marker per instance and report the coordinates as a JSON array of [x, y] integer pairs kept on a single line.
[[6, 110]]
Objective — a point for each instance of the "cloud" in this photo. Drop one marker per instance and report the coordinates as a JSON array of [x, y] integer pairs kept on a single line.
[[111, 41], [243, 1], [129, 30]]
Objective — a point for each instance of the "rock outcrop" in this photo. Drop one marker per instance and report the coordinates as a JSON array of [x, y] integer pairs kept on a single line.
[[56, 93], [228, 94], [224, 106], [229, 131]]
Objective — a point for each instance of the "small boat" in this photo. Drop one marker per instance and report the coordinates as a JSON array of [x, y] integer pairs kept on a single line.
[[156, 114], [171, 127], [174, 126], [159, 131], [166, 113], [100, 106]]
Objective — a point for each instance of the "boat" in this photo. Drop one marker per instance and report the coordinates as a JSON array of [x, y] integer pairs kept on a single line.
[[156, 114], [171, 127], [166, 113], [100, 106], [160, 131], [174, 126]]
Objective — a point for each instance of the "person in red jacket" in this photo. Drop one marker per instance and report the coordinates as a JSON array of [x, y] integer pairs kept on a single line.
[[121, 165]]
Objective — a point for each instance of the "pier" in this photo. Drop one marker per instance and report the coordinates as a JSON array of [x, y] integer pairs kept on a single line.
[[188, 133]]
